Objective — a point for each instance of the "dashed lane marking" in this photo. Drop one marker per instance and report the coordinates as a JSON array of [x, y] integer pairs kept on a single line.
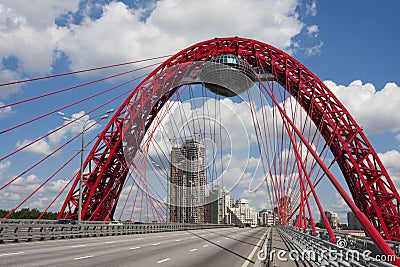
[[84, 257], [135, 248], [164, 260], [12, 253], [78, 246], [193, 249]]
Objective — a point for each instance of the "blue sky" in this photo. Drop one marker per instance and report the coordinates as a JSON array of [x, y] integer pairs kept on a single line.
[[352, 45]]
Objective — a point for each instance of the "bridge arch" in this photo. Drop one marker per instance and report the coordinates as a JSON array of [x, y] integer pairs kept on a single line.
[[106, 165]]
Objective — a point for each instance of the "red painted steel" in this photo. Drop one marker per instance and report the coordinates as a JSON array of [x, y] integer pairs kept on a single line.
[[368, 181]]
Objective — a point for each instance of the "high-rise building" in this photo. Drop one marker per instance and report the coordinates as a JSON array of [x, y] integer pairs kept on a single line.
[[266, 217], [332, 219], [353, 222], [187, 183], [217, 206], [244, 213]]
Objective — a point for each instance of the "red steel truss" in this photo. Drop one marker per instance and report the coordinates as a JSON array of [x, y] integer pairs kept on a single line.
[[106, 166]]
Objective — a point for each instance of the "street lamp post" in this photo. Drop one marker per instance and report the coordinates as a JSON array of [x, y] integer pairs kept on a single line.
[[84, 124]]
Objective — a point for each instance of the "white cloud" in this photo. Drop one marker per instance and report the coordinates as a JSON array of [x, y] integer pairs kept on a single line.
[[56, 186], [311, 9], [7, 75], [313, 30], [38, 13], [4, 166], [29, 32], [4, 112], [120, 34], [39, 147], [10, 196], [30, 36], [314, 50], [390, 160], [50, 143], [375, 110]]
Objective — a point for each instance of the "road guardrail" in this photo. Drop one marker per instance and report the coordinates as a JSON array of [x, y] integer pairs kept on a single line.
[[21, 231]]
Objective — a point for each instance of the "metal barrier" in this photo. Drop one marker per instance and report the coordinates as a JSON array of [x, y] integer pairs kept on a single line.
[[320, 252], [15, 232]]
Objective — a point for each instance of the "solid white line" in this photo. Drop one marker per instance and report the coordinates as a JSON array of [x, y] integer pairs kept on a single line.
[[135, 248], [84, 257], [205, 246], [78, 246], [246, 263], [161, 261], [193, 249], [155, 244], [12, 253]]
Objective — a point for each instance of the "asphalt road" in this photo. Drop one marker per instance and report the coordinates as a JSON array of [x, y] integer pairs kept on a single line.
[[212, 247]]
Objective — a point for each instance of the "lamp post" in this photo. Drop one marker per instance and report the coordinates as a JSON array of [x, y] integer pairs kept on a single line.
[[84, 124]]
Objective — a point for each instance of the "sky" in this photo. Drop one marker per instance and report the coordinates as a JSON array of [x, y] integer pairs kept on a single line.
[[350, 45]]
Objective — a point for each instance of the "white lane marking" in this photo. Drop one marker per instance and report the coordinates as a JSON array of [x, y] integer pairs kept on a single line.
[[84, 257], [218, 241], [160, 236], [193, 249], [12, 253], [226, 238], [246, 263], [139, 238], [135, 248], [205, 246], [178, 240], [155, 244], [164, 260], [78, 246], [109, 242], [193, 237]]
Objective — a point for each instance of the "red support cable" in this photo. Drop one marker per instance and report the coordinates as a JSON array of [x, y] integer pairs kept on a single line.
[[80, 71]]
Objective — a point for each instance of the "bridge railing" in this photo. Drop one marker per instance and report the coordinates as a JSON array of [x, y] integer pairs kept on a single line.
[[360, 243], [22, 231], [317, 250]]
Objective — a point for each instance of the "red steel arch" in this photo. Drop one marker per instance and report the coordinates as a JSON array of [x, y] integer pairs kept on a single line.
[[106, 169]]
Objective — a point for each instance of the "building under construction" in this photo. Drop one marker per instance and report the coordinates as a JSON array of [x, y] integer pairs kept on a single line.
[[187, 183]]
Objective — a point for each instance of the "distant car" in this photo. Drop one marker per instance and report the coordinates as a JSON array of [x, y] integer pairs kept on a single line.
[[241, 226], [115, 223], [65, 221]]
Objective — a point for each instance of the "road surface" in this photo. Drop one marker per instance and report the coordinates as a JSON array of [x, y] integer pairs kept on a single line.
[[210, 247]]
